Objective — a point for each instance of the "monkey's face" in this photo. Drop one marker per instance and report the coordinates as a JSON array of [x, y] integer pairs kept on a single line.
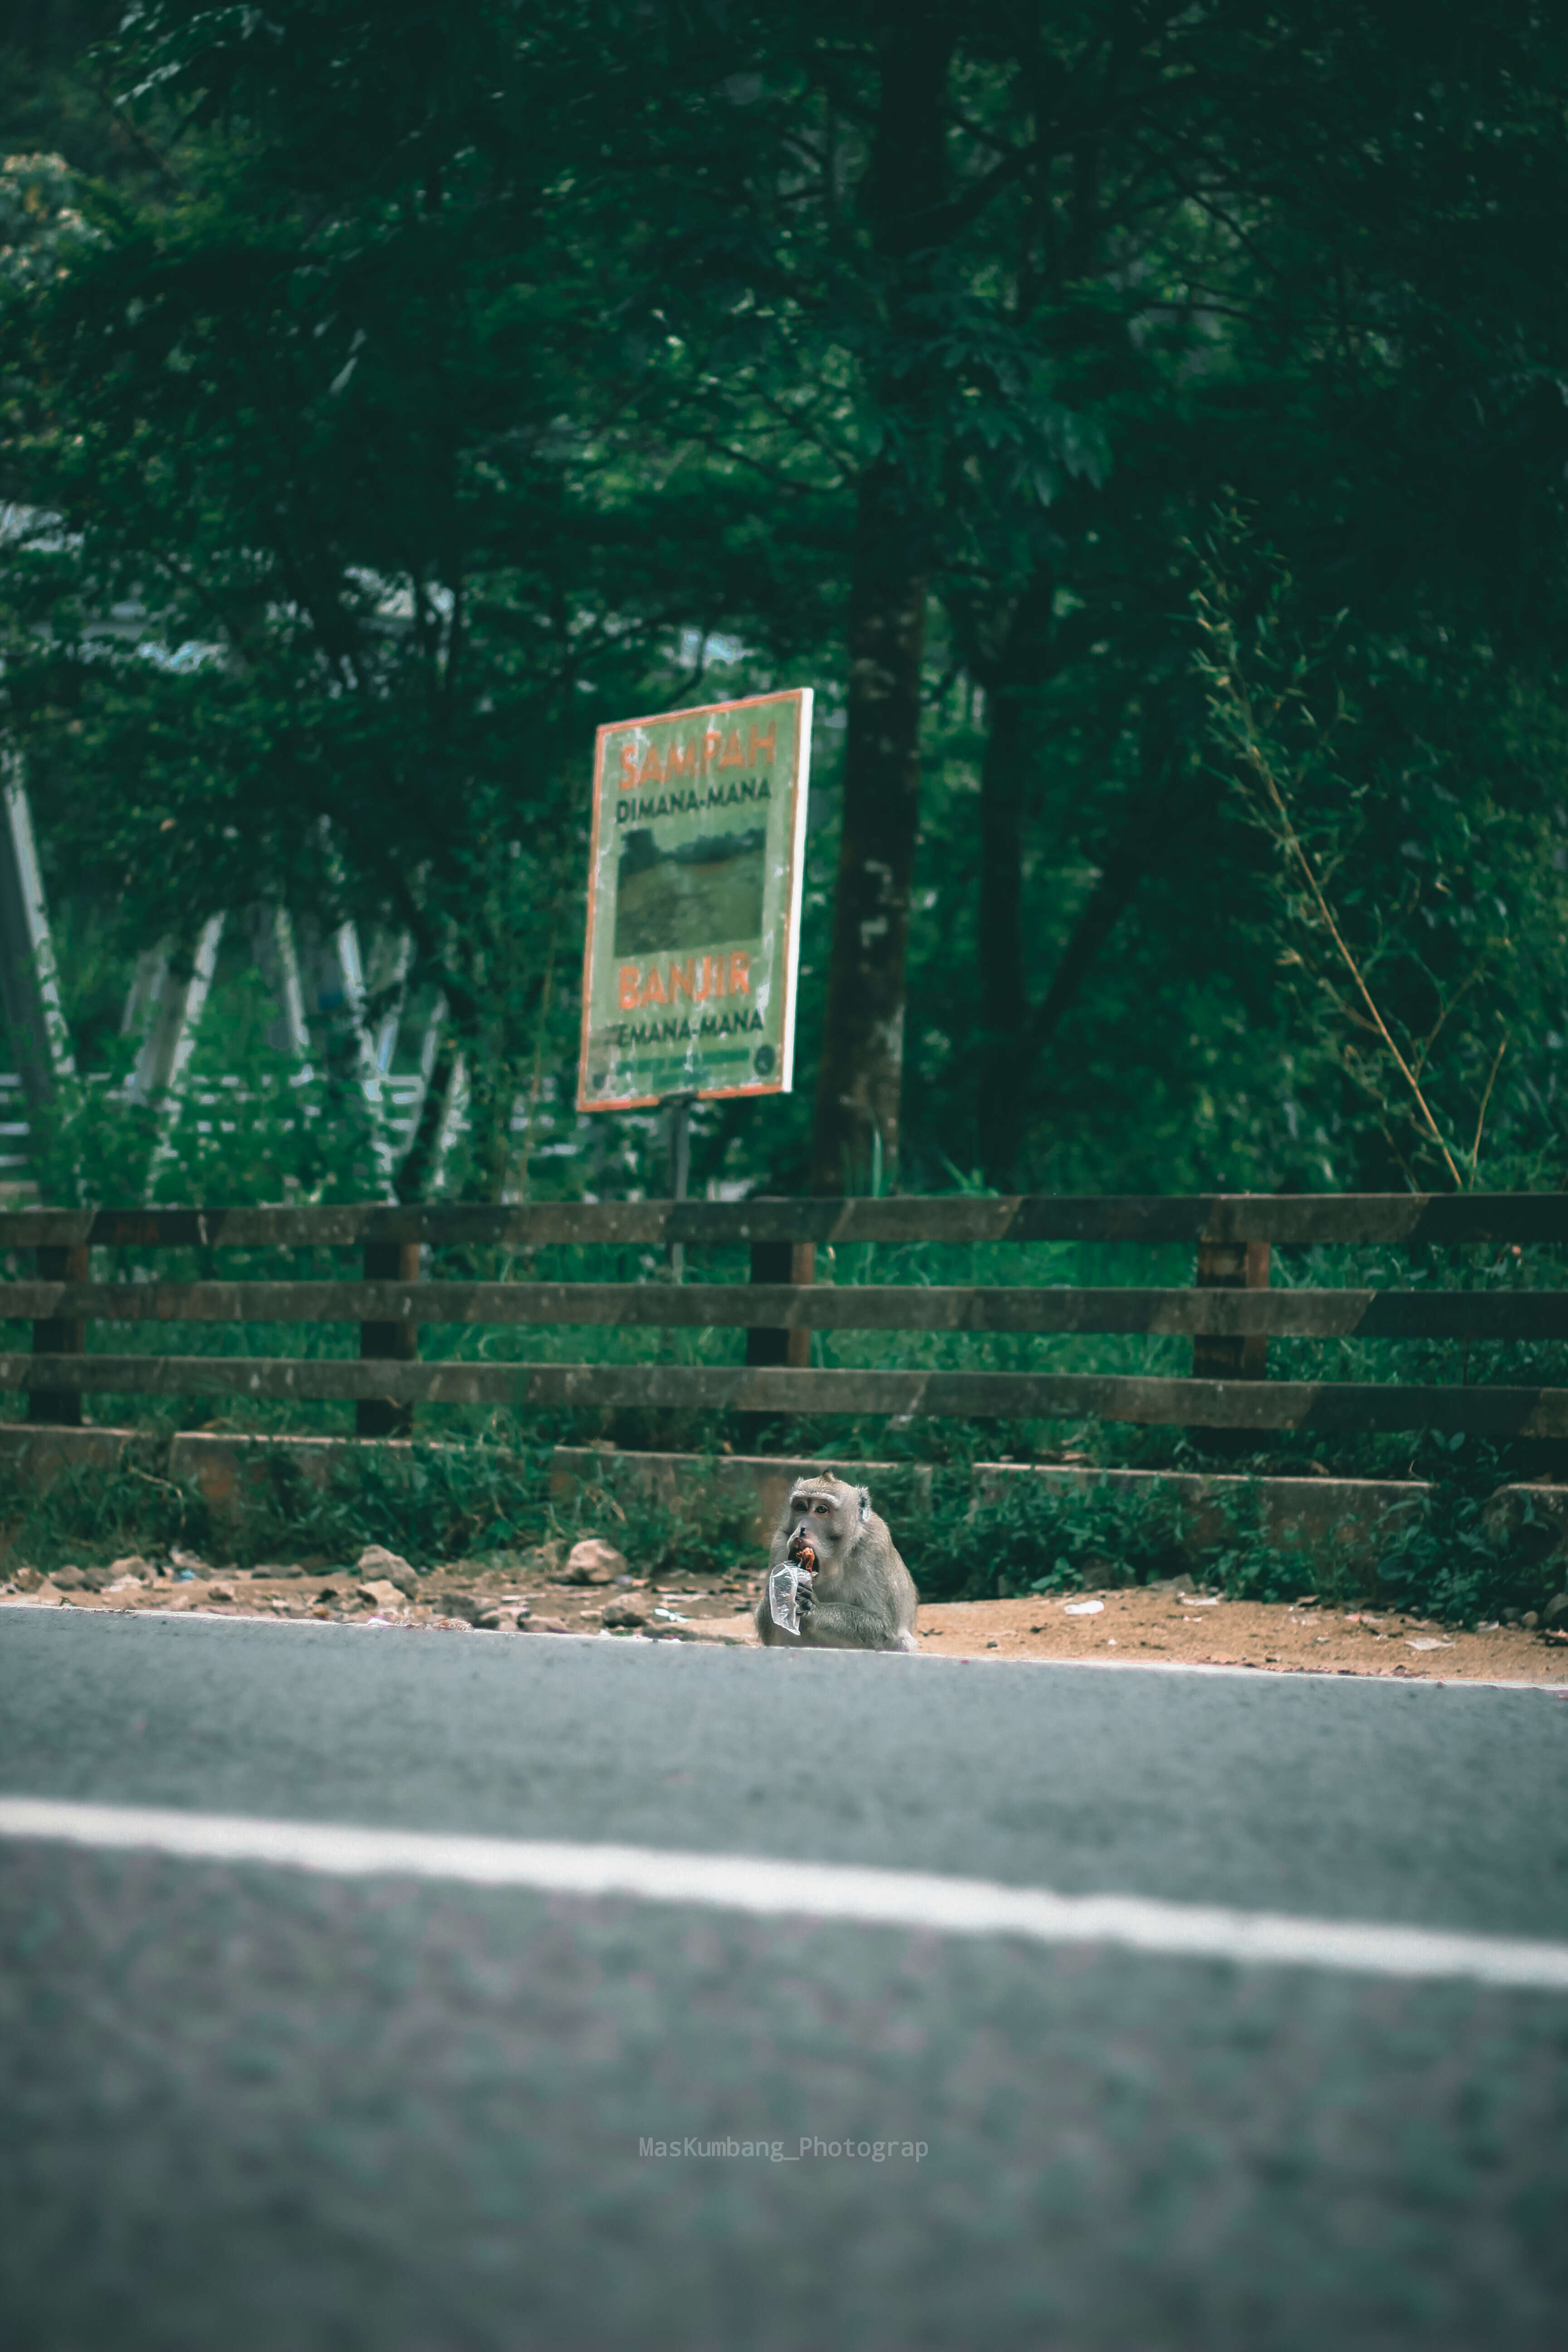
[[826, 1517]]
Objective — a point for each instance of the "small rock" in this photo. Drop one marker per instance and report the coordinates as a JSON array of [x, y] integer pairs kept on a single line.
[[1426, 1641], [1556, 1607], [543, 1625], [1511, 1616], [220, 1593], [594, 1561], [379, 1565], [1530, 1621], [67, 1580], [192, 1560], [382, 1591], [27, 1580], [506, 1617], [132, 1565], [623, 1613], [461, 1604], [992, 1645]]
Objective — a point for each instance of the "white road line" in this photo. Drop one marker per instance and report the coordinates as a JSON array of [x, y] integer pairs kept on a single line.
[[883, 1898]]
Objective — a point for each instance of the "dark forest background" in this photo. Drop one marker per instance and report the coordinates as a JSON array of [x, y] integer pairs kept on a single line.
[[1145, 425]]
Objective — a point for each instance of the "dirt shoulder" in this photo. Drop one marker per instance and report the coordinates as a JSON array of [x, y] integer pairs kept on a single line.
[[1151, 1624], [512, 1597], [1154, 1624]]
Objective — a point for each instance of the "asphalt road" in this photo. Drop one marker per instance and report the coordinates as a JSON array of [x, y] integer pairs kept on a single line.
[[248, 2109]]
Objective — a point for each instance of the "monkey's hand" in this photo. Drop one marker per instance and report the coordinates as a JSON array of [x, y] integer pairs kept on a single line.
[[803, 1553]]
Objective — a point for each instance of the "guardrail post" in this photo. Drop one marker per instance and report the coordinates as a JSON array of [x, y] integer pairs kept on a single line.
[[802, 1270], [679, 1109], [396, 1342], [792, 1261], [1231, 1266], [60, 1336]]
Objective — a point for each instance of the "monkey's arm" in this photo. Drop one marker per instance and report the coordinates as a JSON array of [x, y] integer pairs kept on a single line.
[[850, 1625], [874, 1606]]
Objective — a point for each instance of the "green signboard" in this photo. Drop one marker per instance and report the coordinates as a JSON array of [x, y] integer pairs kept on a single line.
[[688, 978]]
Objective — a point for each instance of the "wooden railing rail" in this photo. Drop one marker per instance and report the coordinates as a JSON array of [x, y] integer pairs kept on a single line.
[[1288, 1221], [385, 1308], [968, 1395]]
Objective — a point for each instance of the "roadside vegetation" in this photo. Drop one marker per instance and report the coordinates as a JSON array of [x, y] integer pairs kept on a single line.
[[1445, 1554]]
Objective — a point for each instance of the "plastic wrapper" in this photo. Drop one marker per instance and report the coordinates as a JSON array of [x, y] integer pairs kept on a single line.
[[784, 1595]]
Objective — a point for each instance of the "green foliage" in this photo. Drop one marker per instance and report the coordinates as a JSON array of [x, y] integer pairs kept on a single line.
[[389, 396], [1411, 884], [1447, 1554], [325, 429], [1452, 1558], [1009, 1534], [429, 1503], [92, 1515], [693, 1523]]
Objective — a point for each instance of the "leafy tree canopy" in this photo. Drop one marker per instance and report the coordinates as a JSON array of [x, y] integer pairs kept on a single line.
[[1118, 414]]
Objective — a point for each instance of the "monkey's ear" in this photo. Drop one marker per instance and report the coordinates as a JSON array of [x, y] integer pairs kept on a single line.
[[865, 1495]]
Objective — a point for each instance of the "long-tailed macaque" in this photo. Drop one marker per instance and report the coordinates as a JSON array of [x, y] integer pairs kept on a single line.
[[855, 1592]]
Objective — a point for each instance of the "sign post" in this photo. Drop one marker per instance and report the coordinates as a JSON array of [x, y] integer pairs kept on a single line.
[[694, 894]]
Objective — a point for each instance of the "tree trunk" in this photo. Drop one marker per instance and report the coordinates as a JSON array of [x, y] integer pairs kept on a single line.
[[861, 1072], [418, 1165], [1172, 800], [1011, 681], [860, 1075], [1016, 1035]]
